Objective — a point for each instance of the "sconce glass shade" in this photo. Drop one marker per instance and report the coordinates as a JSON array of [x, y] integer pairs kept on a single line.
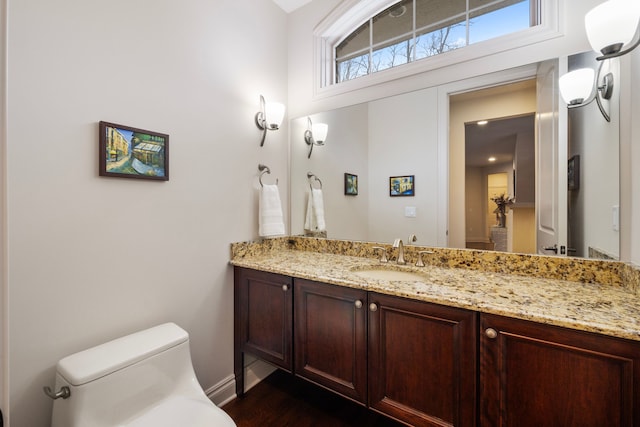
[[269, 117], [320, 131], [274, 114], [577, 86], [315, 134], [612, 25]]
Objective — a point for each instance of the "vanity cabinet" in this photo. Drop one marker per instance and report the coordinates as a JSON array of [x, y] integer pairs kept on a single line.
[[537, 375], [330, 327], [263, 304], [410, 360], [431, 365], [422, 361]]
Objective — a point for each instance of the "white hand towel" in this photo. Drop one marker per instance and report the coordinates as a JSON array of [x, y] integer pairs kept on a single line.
[[314, 220], [270, 219]]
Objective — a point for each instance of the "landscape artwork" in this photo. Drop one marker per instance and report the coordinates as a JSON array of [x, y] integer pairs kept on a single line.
[[128, 152], [401, 186]]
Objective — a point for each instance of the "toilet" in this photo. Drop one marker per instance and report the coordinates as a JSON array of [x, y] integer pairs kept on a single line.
[[145, 379]]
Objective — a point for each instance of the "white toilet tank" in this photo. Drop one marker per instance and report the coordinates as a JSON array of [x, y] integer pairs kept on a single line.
[[143, 379]]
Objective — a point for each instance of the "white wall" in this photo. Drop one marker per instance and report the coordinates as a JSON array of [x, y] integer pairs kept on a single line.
[[632, 174], [345, 151], [400, 143], [596, 141], [93, 258]]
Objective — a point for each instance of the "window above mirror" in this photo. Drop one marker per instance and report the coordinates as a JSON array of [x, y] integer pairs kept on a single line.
[[410, 30], [367, 43]]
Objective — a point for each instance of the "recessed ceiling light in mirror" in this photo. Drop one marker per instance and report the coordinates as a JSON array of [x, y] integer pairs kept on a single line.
[[492, 159], [398, 11], [482, 122]]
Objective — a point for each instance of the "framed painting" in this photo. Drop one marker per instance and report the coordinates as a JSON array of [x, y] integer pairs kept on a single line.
[[573, 172], [128, 152], [402, 186], [350, 184]]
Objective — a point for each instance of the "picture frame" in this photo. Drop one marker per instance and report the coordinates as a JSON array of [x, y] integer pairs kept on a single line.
[[129, 152], [573, 173], [350, 184], [402, 186]]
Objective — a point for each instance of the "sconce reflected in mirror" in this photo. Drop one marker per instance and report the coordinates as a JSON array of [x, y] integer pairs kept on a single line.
[[315, 134], [612, 27], [577, 88], [269, 117]]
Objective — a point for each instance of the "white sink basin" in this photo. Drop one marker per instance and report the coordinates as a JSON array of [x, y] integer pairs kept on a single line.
[[390, 275]]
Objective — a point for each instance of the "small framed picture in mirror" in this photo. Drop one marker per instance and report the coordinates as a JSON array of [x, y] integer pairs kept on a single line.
[[350, 184], [402, 186], [573, 172]]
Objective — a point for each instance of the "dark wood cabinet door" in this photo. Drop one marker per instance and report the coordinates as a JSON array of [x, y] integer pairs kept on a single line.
[[540, 375], [263, 320], [422, 362], [330, 337]]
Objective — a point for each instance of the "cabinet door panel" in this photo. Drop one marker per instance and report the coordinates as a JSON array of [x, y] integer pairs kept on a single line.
[[422, 362], [330, 337], [265, 307], [534, 375]]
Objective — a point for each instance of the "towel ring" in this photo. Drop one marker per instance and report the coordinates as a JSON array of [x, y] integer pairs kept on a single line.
[[309, 176], [264, 169]]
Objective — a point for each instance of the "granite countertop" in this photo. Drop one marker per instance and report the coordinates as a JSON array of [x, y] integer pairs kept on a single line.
[[594, 307]]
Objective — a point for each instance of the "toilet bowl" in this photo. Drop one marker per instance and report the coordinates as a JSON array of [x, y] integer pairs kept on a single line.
[[145, 379]]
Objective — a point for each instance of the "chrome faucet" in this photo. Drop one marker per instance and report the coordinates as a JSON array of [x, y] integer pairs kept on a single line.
[[398, 244]]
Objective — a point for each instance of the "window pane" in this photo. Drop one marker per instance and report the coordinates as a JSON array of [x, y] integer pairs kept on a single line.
[[353, 68], [452, 35], [474, 4], [393, 22], [495, 23], [430, 12], [356, 42], [390, 56]]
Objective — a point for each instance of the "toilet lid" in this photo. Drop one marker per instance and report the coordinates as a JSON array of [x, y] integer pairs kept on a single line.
[[183, 411]]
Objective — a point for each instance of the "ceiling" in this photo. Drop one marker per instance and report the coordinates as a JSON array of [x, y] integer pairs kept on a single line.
[[291, 5], [495, 139]]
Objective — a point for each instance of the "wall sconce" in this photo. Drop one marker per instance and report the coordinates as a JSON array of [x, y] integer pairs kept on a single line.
[[577, 88], [269, 117], [613, 25], [315, 134]]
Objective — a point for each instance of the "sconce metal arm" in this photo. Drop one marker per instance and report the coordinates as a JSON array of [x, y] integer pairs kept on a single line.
[[604, 90], [615, 50], [261, 121], [308, 137]]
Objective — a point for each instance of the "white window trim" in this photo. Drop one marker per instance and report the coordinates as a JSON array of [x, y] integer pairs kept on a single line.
[[350, 14]]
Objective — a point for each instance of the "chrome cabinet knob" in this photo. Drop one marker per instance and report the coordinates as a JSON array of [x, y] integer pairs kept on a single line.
[[491, 333], [358, 304], [373, 307], [285, 288]]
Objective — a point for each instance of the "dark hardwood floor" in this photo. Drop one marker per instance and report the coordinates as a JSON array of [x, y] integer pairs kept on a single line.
[[283, 400]]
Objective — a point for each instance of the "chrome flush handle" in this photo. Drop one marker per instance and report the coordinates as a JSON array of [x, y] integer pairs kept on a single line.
[[64, 392]]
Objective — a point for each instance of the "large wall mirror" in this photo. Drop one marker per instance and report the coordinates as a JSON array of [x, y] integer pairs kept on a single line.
[[439, 136]]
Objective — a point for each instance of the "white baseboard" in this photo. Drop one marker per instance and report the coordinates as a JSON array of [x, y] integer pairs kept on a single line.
[[225, 390]]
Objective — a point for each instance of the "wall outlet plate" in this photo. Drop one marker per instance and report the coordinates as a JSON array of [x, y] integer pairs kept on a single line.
[[410, 211]]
